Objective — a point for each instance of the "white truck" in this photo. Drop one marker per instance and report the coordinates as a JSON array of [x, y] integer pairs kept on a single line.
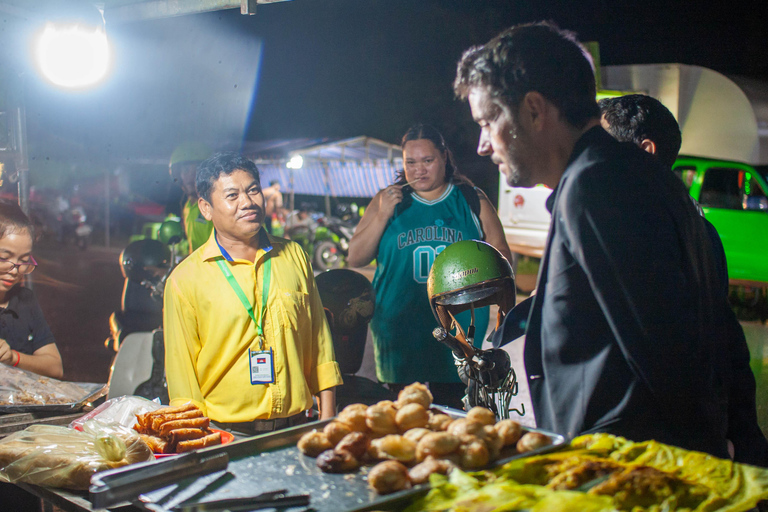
[[721, 118]]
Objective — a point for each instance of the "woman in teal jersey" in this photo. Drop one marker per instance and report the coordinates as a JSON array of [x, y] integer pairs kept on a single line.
[[406, 225]]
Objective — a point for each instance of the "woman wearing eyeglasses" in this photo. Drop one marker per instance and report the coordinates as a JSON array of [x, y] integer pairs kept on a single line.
[[26, 341]]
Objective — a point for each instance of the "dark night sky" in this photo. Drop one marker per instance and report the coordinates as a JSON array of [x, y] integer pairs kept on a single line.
[[339, 68], [374, 67]]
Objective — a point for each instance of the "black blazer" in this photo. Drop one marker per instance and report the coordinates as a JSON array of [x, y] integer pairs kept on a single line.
[[628, 331]]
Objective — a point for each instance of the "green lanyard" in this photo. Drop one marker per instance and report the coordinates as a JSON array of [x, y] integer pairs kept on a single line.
[[241, 295]]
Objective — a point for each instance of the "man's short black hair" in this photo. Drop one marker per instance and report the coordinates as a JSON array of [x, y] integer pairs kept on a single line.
[[274, 182], [532, 57], [221, 163], [636, 117]]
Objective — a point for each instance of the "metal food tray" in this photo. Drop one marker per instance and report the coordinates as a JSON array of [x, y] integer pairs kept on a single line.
[[93, 391], [271, 462]]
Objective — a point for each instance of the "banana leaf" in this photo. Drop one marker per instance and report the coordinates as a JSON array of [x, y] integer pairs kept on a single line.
[[714, 484]]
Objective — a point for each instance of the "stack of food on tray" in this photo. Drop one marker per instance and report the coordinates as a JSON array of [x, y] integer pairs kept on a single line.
[[23, 388], [176, 429], [603, 473], [410, 441]]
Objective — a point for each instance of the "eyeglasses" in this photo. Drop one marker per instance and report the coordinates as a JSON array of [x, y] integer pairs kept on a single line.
[[24, 268]]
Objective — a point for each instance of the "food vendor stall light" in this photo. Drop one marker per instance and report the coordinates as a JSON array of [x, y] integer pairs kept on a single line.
[[296, 162], [73, 55]]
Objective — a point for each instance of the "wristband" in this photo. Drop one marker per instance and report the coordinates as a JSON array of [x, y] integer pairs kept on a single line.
[[18, 358]]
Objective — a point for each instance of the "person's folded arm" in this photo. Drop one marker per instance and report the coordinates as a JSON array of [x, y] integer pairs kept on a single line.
[[364, 246], [45, 358]]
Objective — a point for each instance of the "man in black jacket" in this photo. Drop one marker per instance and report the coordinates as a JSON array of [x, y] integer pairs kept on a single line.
[[647, 123], [626, 332]]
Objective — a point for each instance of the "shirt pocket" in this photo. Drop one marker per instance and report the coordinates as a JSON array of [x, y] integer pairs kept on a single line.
[[293, 309]]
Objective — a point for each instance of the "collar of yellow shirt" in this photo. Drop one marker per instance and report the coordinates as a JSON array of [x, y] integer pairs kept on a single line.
[[213, 249]]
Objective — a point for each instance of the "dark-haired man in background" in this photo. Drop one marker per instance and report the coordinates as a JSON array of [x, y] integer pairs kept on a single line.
[[246, 337], [646, 122], [625, 331]]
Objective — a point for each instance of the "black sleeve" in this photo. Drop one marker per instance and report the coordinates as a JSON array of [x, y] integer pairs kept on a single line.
[[749, 443], [39, 329], [631, 255], [719, 254]]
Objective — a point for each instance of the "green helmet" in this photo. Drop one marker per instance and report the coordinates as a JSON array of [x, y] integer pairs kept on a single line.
[[170, 232], [189, 152], [466, 274]]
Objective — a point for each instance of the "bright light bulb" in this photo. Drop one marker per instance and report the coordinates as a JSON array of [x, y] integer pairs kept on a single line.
[[73, 56], [296, 162]]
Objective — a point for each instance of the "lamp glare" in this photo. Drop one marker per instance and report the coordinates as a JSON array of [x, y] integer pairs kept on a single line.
[[73, 56]]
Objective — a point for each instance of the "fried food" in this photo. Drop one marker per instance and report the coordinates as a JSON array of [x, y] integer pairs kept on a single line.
[[211, 439], [532, 441], [420, 472], [643, 487], [381, 419], [166, 428], [185, 434], [334, 461], [411, 416], [394, 447], [336, 430], [354, 416], [155, 444], [474, 454], [493, 441], [481, 415], [355, 443], [509, 430], [314, 443], [145, 421], [439, 421], [416, 393], [574, 472], [176, 429], [388, 477], [407, 432], [415, 434], [466, 426], [437, 444], [159, 419]]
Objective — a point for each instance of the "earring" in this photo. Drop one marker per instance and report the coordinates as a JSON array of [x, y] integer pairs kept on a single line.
[[513, 134]]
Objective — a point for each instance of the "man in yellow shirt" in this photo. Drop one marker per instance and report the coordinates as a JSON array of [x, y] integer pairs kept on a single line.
[[183, 168], [246, 337]]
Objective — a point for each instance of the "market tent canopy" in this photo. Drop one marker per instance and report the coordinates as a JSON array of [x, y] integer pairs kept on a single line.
[[356, 167]]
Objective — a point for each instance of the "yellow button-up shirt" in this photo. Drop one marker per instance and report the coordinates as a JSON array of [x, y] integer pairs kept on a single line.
[[208, 334]]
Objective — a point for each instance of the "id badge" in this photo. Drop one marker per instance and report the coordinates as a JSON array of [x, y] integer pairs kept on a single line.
[[262, 366]]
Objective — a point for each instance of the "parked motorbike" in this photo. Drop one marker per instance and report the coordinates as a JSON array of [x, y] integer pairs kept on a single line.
[[348, 299], [82, 230], [136, 329], [331, 242]]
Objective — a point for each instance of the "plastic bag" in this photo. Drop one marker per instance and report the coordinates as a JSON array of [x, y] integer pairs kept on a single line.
[[20, 387], [63, 457], [121, 410]]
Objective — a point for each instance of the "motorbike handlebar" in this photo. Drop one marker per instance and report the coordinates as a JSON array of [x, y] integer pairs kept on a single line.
[[461, 349]]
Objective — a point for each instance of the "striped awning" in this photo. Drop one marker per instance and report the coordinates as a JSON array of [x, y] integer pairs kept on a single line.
[[334, 178]]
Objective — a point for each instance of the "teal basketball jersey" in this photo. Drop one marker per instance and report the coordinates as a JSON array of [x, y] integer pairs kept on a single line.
[[402, 323]]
